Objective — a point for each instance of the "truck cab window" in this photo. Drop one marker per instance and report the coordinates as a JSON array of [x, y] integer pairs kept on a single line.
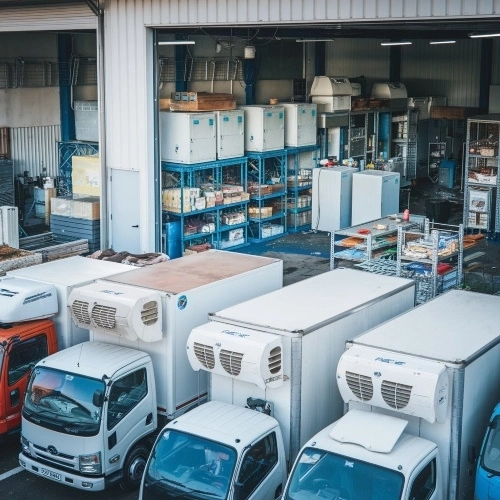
[[24, 355], [125, 394], [257, 463], [424, 484]]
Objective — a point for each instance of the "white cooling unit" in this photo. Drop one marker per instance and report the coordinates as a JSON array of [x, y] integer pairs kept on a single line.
[[23, 300], [394, 382], [9, 226], [239, 353], [126, 311]]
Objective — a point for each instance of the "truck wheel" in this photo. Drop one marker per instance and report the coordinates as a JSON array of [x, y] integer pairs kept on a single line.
[[134, 468]]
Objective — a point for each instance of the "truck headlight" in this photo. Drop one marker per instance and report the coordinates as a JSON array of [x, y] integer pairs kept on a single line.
[[25, 445], [91, 464]]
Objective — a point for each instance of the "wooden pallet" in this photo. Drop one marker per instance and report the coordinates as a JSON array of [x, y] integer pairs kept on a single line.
[[201, 101]]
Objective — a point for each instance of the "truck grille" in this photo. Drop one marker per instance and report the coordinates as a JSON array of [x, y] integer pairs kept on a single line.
[[149, 313], [61, 460], [205, 355], [360, 385], [81, 311], [104, 316], [231, 361], [396, 395], [275, 360]]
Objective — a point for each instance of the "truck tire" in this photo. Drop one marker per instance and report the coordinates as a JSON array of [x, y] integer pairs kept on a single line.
[[133, 468]]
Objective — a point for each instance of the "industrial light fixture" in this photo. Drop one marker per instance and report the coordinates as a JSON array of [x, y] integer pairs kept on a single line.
[[483, 35], [304, 40], [386, 44], [177, 42], [441, 42]]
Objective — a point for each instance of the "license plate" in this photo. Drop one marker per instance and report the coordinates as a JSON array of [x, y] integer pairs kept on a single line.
[[50, 474]]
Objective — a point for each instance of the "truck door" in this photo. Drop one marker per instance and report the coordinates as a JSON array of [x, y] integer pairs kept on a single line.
[[21, 357], [260, 474], [129, 415], [423, 485]]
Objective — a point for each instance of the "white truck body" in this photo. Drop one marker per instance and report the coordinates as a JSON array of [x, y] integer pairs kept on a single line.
[[65, 275], [279, 351], [150, 311], [419, 390]]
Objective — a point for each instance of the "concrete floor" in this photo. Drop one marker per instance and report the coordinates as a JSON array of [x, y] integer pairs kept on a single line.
[[307, 253]]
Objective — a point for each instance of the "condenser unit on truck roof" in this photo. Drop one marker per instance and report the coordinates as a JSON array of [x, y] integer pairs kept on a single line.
[[22, 300], [126, 311], [393, 381], [237, 352]]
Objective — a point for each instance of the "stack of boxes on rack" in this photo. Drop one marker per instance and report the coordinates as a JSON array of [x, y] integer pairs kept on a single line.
[[224, 168], [78, 216]]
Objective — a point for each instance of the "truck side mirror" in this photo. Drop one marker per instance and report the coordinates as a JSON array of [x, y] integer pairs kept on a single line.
[[98, 398], [238, 491]]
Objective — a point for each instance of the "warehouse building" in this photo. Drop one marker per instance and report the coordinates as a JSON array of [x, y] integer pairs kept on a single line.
[[86, 87]]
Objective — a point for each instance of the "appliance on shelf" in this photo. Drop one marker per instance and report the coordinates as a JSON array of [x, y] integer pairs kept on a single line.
[[331, 93], [230, 130], [394, 91], [300, 124], [264, 127]]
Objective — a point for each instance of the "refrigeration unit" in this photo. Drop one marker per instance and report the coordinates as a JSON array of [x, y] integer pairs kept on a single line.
[[9, 226], [300, 124], [394, 91], [187, 137], [303, 160], [332, 198], [375, 194], [230, 133], [331, 93], [264, 127]]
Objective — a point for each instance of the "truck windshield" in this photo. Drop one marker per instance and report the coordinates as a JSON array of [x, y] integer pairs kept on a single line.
[[63, 402], [490, 461], [187, 466], [318, 473]]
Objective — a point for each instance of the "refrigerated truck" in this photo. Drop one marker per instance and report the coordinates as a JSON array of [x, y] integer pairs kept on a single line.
[[92, 411], [34, 323], [418, 390], [271, 362]]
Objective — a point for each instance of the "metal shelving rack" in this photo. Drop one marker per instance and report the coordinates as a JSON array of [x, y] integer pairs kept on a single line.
[[404, 127], [266, 177], [68, 149], [436, 244], [481, 179], [374, 239], [217, 231], [299, 186]]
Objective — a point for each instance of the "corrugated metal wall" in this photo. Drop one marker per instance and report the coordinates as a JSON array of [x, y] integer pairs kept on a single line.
[[35, 148], [185, 12], [48, 18]]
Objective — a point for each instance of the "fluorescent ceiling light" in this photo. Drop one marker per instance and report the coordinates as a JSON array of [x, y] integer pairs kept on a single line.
[[441, 42], [386, 44], [303, 40], [483, 35], [177, 42]]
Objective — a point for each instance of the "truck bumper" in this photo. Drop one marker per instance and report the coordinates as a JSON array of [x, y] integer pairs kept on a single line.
[[58, 476]]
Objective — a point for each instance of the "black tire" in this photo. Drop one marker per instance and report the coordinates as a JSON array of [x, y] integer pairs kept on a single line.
[[134, 467]]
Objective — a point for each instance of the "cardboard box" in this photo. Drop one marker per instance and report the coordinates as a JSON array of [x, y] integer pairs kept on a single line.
[[86, 175], [82, 208]]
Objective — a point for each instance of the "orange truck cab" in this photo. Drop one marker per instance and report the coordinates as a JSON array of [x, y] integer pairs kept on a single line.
[[26, 337]]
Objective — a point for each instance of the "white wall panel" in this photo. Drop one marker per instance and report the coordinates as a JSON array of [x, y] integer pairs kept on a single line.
[[34, 149], [189, 12], [49, 18]]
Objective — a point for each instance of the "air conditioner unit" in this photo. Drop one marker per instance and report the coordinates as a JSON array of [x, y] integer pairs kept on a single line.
[[126, 311], [24, 299], [239, 353], [393, 381], [9, 226]]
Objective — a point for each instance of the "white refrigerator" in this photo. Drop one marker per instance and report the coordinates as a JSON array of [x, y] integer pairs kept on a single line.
[[230, 133], [331, 198], [264, 127], [375, 194], [301, 124]]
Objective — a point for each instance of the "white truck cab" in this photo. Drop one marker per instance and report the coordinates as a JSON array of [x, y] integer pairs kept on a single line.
[[88, 392], [217, 450]]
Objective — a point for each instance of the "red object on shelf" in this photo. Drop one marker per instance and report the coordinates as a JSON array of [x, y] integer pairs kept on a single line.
[[364, 231]]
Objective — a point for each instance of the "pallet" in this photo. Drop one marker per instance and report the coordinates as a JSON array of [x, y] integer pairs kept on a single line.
[[201, 101]]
